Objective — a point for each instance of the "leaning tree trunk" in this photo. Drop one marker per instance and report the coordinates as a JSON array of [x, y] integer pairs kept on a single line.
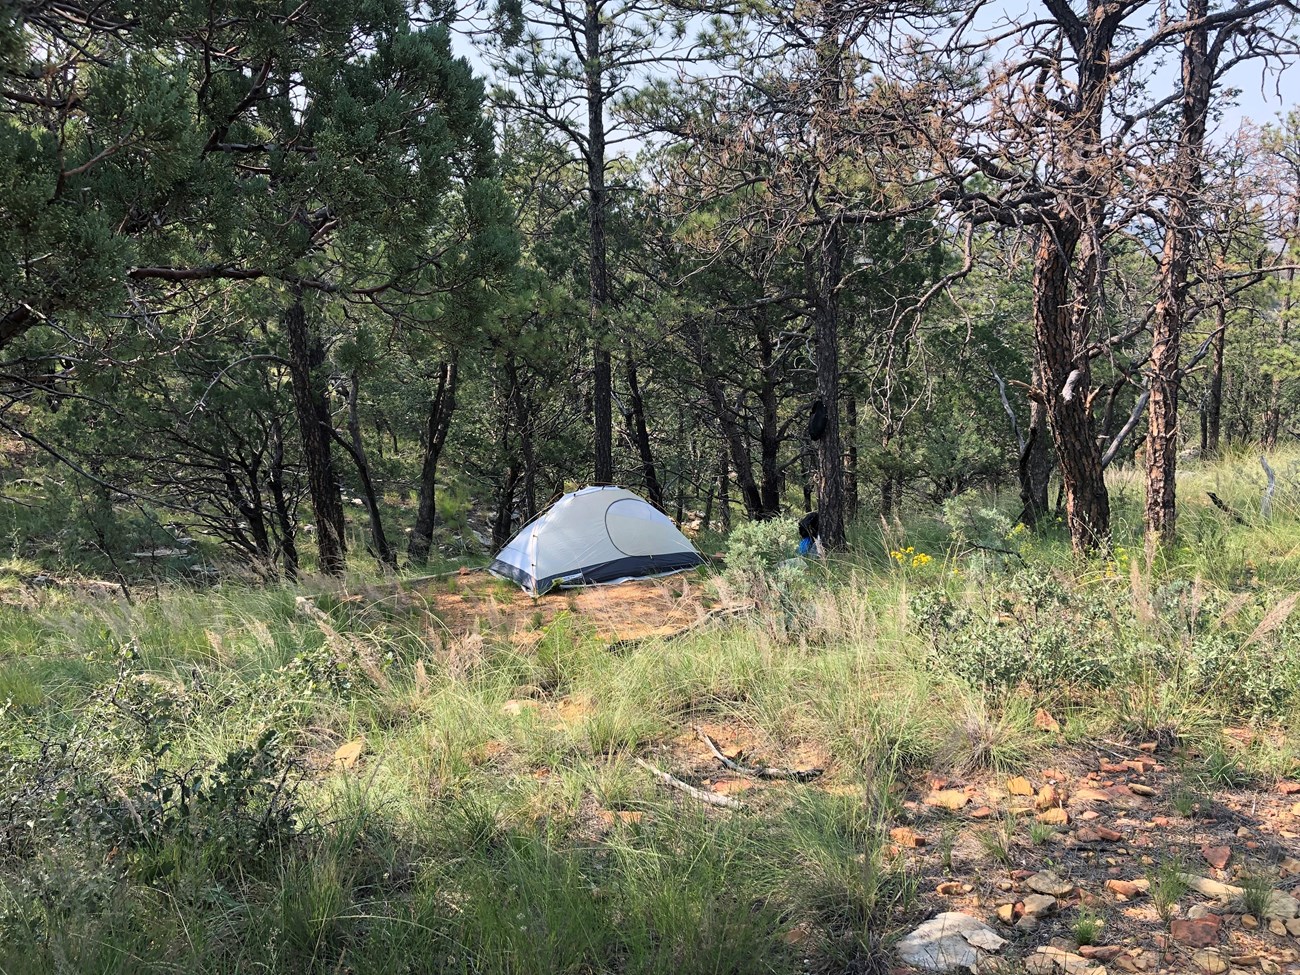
[[1066, 374], [306, 357], [1171, 308], [437, 423], [641, 435], [383, 552]]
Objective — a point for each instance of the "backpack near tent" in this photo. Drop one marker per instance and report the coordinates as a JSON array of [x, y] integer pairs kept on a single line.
[[594, 535]]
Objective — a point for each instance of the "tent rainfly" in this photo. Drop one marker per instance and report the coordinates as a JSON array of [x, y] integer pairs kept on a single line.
[[594, 535]]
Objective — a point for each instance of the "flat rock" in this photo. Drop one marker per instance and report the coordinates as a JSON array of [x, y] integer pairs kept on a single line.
[[947, 941], [1217, 856], [1055, 816], [1044, 721], [947, 799], [1020, 786], [906, 837], [1293, 927], [1198, 932], [1128, 888], [1036, 905], [1280, 905], [1049, 883], [1049, 960], [1101, 953], [1210, 962], [1097, 834], [1089, 794]]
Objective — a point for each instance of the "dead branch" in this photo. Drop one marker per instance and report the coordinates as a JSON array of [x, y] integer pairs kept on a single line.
[[764, 772], [710, 798]]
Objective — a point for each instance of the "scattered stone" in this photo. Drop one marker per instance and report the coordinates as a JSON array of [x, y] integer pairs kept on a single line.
[[1147, 746], [947, 799], [950, 940], [1097, 834], [1277, 927], [1088, 794], [1244, 961], [1137, 788], [1293, 927], [1210, 888], [1004, 885], [611, 817], [1050, 959], [1288, 788], [1020, 786], [1289, 867], [983, 812], [1038, 905], [1043, 721], [1210, 962], [1249, 922], [514, 708], [798, 934], [348, 754], [1046, 798], [1127, 888], [1283, 906], [1007, 913], [1217, 856], [1028, 923], [949, 888], [1102, 953], [1196, 932], [904, 836], [1197, 911], [1054, 817], [1049, 883]]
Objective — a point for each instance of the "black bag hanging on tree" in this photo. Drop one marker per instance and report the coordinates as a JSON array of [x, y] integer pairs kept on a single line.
[[817, 422]]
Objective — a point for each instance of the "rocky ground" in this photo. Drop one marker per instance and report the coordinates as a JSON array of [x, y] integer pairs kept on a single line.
[[1105, 861]]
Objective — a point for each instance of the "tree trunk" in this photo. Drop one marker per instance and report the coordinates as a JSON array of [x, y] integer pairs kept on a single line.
[[284, 517], [501, 523], [306, 357], [1214, 399], [724, 497], [437, 423], [770, 427], [826, 320], [851, 463], [1066, 384], [1171, 308], [641, 435], [598, 269], [378, 540], [1273, 413], [1035, 459]]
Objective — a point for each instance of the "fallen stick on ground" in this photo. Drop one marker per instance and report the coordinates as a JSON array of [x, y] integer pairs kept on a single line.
[[1223, 506], [798, 774], [713, 799]]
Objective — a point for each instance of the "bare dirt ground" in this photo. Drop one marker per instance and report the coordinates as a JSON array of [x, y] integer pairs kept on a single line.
[[473, 602]]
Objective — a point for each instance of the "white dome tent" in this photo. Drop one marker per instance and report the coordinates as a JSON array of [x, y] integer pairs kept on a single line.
[[594, 535]]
